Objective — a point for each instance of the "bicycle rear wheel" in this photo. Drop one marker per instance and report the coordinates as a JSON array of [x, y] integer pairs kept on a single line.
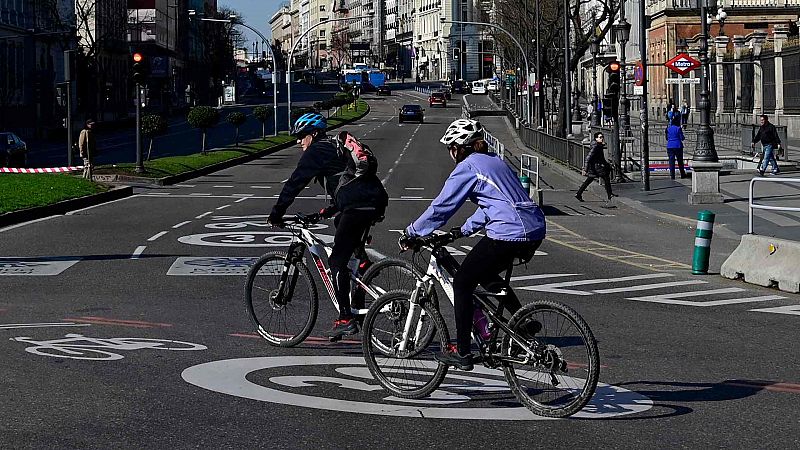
[[400, 365], [284, 318], [562, 376]]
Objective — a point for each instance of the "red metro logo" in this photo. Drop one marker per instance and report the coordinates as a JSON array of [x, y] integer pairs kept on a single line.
[[682, 64]]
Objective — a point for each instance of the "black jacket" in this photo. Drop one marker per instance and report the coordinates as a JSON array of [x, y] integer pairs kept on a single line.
[[359, 187], [320, 161], [596, 164], [767, 134]]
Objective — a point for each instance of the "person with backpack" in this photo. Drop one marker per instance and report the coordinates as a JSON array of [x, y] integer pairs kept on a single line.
[[596, 166]]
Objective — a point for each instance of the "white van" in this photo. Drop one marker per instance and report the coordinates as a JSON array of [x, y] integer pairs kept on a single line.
[[478, 87], [492, 86]]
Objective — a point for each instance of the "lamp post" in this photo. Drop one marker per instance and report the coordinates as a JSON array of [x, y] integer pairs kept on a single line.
[[291, 55], [594, 47], [704, 150], [622, 31], [443, 20], [232, 20], [567, 90], [540, 98], [645, 163]]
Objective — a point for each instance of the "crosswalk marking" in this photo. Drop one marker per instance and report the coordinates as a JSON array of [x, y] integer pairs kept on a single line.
[[793, 310], [558, 288], [543, 275], [673, 298], [647, 287]]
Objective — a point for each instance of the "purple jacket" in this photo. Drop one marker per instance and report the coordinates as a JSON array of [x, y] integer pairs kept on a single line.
[[504, 209]]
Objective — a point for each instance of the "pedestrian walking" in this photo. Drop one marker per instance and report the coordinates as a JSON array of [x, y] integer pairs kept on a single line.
[[673, 114], [685, 110], [675, 140], [596, 166], [670, 104], [87, 146], [770, 142]]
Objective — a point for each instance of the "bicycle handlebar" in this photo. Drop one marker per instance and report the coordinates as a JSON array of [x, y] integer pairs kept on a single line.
[[302, 219], [432, 241]]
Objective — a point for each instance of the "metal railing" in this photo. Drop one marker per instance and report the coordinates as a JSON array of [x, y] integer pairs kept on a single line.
[[571, 153], [526, 161], [752, 206], [423, 90]]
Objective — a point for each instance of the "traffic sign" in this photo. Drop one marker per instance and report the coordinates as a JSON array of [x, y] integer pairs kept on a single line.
[[638, 74], [682, 64]]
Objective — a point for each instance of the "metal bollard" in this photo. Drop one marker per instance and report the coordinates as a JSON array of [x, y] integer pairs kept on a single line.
[[702, 242]]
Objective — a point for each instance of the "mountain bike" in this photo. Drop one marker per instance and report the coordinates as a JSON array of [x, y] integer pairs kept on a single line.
[[280, 293], [547, 352]]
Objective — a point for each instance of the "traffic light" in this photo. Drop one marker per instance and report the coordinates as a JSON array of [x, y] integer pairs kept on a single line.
[[613, 77], [609, 105], [455, 55], [140, 68]]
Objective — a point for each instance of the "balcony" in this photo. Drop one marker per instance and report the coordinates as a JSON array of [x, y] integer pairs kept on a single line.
[[655, 7]]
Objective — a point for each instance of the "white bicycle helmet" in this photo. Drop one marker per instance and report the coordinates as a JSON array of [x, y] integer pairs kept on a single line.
[[462, 132]]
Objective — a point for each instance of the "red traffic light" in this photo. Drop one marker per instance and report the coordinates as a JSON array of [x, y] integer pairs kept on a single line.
[[137, 57], [614, 66]]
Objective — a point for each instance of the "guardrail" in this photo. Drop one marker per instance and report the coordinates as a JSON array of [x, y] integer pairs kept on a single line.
[[569, 152], [526, 161], [752, 206]]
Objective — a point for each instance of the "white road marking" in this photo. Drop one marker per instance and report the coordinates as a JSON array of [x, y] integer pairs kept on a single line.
[[138, 252], [793, 310], [242, 195], [182, 224], [414, 188], [204, 214], [70, 213], [260, 187], [156, 236], [14, 326], [187, 185], [256, 197], [241, 200], [198, 194], [284, 181], [410, 197], [557, 288], [402, 153], [646, 287], [670, 298], [224, 186], [225, 206], [11, 227], [543, 275]]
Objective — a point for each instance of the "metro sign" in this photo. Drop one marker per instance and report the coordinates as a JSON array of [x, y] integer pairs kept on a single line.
[[682, 64]]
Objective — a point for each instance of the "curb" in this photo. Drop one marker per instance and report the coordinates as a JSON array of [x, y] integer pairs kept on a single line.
[[173, 179], [64, 206]]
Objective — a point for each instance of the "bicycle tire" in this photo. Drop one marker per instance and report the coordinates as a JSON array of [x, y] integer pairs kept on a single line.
[[592, 366], [285, 337], [425, 374]]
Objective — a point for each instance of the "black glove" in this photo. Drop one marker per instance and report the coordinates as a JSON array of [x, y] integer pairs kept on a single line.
[[405, 241], [328, 212], [275, 219], [455, 233]]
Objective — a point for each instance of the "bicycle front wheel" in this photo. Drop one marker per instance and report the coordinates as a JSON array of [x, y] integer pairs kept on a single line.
[[561, 363], [392, 341], [281, 299]]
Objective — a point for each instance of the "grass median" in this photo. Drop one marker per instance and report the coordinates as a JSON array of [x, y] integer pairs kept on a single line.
[[22, 191], [175, 165]]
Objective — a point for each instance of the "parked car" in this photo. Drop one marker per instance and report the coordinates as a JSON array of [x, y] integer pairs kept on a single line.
[[411, 112], [384, 90], [458, 86], [478, 87], [493, 86], [13, 151], [437, 98]]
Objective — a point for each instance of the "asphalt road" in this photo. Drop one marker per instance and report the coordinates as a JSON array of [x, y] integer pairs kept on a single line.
[[687, 361]]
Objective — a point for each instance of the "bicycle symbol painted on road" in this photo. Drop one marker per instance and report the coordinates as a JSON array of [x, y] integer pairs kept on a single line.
[[78, 346]]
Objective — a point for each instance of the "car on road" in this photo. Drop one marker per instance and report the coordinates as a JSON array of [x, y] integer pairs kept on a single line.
[[478, 87], [444, 90], [384, 90], [13, 150], [458, 86], [437, 98], [411, 112], [493, 86]]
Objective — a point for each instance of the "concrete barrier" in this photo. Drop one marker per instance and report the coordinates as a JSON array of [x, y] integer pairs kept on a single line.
[[765, 261]]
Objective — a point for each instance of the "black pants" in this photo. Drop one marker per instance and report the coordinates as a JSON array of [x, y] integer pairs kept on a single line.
[[673, 154], [482, 266], [606, 182], [351, 229]]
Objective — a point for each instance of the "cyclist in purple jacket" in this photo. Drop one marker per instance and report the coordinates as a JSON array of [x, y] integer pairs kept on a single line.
[[514, 226]]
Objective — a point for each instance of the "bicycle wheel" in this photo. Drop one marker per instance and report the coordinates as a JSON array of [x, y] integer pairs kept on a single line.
[[283, 318], [409, 372], [562, 376]]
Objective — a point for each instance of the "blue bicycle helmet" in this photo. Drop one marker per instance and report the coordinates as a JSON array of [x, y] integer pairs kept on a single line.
[[309, 123]]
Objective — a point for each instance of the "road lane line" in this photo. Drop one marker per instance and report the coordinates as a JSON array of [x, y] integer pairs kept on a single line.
[[672, 299], [260, 187], [70, 213], [204, 214], [225, 206], [268, 197], [558, 288], [156, 236], [109, 321], [181, 224], [241, 200], [14, 326], [200, 194], [414, 188], [27, 223], [543, 275], [224, 186], [138, 252], [410, 197], [399, 158], [646, 287]]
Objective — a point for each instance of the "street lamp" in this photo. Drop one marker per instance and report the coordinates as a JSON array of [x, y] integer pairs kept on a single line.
[[704, 150], [444, 20], [622, 31], [594, 47], [294, 47], [232, 19]]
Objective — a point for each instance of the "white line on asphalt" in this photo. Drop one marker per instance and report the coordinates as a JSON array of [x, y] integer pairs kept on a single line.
[[138, 252], [394, 166], [182, 224], [557, 288], [101, 204], [157, 235], [241, 199], [197, 194], [187, 185], [226, 206], [243, 195], [670, 298], [543, 275], [646, 287], [284, 181], [410, 197], [793, 310], [12, 326], [260, 187], [256, 197], [204, 214], [11, 227], [414, 188], [225, 186], [160, 193]]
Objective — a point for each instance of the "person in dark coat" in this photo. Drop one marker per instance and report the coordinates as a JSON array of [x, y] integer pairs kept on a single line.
[[596, 166], [675, 139], [768, 135]]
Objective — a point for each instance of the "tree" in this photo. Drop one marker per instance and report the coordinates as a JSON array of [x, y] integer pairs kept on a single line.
[[237, 119], [153, 125], [263, 114], [203, 117]]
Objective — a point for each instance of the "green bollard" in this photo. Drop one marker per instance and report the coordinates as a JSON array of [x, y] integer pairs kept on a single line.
[[702, 242], [526, 182]]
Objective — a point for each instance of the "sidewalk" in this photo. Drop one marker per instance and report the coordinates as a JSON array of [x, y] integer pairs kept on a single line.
[[668, 199]]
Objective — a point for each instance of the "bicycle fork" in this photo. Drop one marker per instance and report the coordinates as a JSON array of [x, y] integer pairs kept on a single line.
[[414, 307]]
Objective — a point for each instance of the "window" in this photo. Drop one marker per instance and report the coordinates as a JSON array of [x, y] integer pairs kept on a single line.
[[321, 33], [322, 7]]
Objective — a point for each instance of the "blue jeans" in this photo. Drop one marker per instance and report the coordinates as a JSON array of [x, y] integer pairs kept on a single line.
[[769, 157], [675, 153]]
